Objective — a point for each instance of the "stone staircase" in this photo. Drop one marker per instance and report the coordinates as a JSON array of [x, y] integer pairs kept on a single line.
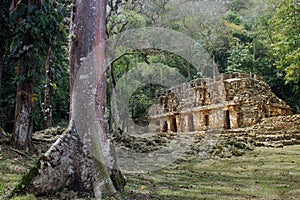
[[270, 132]]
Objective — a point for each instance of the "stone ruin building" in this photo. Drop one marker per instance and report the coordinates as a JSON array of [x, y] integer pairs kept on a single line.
[[229, 101]]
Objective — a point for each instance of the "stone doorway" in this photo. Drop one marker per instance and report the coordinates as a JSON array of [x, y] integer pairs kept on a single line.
[[173, 124], [226, 119], [206, 120]]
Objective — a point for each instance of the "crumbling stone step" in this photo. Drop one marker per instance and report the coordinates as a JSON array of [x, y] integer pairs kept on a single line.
[[265, 132], [270, 137], [277, 144], [291, 142]]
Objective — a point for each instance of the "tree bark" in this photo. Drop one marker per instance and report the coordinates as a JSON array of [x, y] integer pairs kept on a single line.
[[23, 124], [101, 99], [47, 112], [67, 164], [82, 38], [77, 161], [88, 31]]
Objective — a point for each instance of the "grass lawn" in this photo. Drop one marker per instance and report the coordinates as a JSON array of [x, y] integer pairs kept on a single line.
[[265, 173], [12, 168]]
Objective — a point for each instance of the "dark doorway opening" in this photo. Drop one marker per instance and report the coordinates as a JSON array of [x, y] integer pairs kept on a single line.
[[173, 125], [226, 119], [206, 119]]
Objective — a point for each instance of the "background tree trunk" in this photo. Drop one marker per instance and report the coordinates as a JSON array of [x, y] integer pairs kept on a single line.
[[23, 124], [114, 116], [47, 110], [126, 112]]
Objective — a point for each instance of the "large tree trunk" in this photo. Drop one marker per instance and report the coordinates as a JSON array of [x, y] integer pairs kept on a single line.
[[68, 165], [47, 112], [88, 29], [24, 107], [108, 148], [101, 98], [83, 158]]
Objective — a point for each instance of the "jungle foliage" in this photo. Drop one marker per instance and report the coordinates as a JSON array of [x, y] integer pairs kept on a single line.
[[250, 36]]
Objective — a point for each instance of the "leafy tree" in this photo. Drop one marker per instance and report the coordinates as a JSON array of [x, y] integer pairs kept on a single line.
[[5, 34], [198, 20], [46, 24], [253, 45], [286, 39], [7, 88], [240, 58], [37, 26]]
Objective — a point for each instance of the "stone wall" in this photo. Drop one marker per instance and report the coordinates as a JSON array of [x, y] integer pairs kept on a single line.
[[253, 100], [229, 101]]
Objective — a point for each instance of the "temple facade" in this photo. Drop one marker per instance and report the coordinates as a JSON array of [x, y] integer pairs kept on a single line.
[[229, 101]]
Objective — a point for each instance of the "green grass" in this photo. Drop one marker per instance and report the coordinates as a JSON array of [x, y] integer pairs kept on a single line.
[[265, 173], [25, 197], [12, 168]]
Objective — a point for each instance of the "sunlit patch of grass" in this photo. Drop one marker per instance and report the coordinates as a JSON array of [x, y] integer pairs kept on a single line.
[[265, 173], [2, 186], [12, 168], [26, 197]]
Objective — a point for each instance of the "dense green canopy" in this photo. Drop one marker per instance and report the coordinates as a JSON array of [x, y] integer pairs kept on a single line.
[[261, 37]]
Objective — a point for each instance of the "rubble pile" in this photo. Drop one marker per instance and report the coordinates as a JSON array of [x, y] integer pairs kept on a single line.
[[254, 100], [270, 132]]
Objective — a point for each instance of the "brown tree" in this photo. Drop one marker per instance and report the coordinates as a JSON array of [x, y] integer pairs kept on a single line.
[[77, 161], [23, 124]]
